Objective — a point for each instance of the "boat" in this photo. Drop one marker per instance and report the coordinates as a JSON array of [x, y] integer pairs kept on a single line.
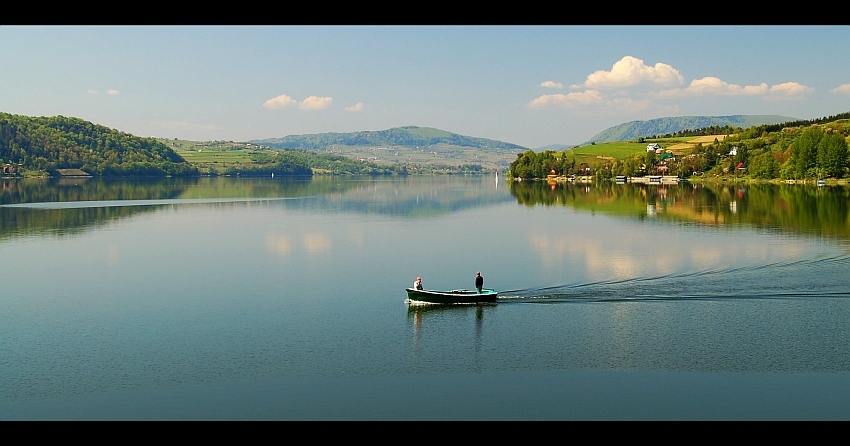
[[451, 297]]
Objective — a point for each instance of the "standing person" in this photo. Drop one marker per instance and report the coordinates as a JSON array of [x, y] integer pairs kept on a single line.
[[479, 281], [417, 285]]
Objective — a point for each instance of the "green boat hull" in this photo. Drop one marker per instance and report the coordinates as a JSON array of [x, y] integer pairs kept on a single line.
[[451, 297]]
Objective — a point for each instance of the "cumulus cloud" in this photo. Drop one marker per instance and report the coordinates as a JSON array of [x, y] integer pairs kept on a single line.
[[551, 84], [595, 103], [355, 108], [92, 91], [112, 92], [279, 102], [713, 86], [790, 90], [841, 89], [575, 98], [315, 103], [630, 71]]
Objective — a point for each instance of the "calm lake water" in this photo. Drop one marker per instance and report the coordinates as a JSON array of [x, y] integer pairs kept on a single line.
[[225, 298]]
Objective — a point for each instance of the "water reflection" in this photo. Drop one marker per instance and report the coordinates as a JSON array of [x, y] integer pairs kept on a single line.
[[59, 207], [310, 287], [442, 316], [796, 209]]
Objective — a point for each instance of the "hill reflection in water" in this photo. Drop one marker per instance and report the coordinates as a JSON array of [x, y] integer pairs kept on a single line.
[[803, 210], [58, 207]]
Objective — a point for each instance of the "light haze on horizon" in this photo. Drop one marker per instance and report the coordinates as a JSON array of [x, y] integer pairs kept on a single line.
[[528, 85]]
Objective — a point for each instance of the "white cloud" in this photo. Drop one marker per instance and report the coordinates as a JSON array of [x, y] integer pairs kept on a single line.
[[841, 89], [92, 91], [112, 92], [355, 108], [575, 98], [551, 84], [630, 71], [594, 103], [713, 86], [279, 102], [789, 90], [315, 103]]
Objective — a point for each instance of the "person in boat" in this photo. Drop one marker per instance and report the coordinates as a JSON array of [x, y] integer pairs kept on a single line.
[[417, 285], [479, 281]]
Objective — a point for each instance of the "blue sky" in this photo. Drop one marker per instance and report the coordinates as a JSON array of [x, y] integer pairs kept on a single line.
[[528, 85]]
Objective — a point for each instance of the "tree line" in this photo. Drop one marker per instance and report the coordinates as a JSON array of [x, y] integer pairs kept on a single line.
[[52, 143], [812, 149]]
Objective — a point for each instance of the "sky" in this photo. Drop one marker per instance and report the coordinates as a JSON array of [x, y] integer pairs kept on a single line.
[[528, 85]]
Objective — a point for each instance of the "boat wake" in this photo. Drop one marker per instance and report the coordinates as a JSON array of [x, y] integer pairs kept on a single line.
[[777, 280]]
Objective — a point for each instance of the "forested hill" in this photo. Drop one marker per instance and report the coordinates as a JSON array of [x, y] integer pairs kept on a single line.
[[58, 142], [410, 136], [631, 131]]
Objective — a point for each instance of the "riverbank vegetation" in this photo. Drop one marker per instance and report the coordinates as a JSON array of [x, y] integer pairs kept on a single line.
[[46, 144], [800, 151]]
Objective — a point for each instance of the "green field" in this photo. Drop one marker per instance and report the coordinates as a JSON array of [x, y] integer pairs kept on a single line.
[[625, 149], [212, 154], [240, 156]]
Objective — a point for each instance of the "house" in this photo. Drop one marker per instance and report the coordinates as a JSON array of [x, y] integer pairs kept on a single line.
[[653, 147]]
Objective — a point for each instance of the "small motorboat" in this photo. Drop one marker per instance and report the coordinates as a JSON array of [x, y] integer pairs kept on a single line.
[[451, 297]]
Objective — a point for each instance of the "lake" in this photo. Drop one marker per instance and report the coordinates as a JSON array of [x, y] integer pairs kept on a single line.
[[274, 299]]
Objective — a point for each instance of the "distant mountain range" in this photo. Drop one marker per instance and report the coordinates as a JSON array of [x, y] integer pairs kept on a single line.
[[410, 136], [631, 131]]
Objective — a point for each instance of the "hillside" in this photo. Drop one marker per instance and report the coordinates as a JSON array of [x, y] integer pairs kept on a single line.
[[48, 144], [410, 136], [797, 150], [630, 131]]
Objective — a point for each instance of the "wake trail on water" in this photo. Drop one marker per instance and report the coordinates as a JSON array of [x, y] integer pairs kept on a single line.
[[772, 280]]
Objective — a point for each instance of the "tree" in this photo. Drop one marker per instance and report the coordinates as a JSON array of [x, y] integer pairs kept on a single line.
[[649, 159], [763, 166], [804, 153], [832, 155]]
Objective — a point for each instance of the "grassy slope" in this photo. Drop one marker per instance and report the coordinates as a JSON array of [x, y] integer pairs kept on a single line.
[[626, 149]]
